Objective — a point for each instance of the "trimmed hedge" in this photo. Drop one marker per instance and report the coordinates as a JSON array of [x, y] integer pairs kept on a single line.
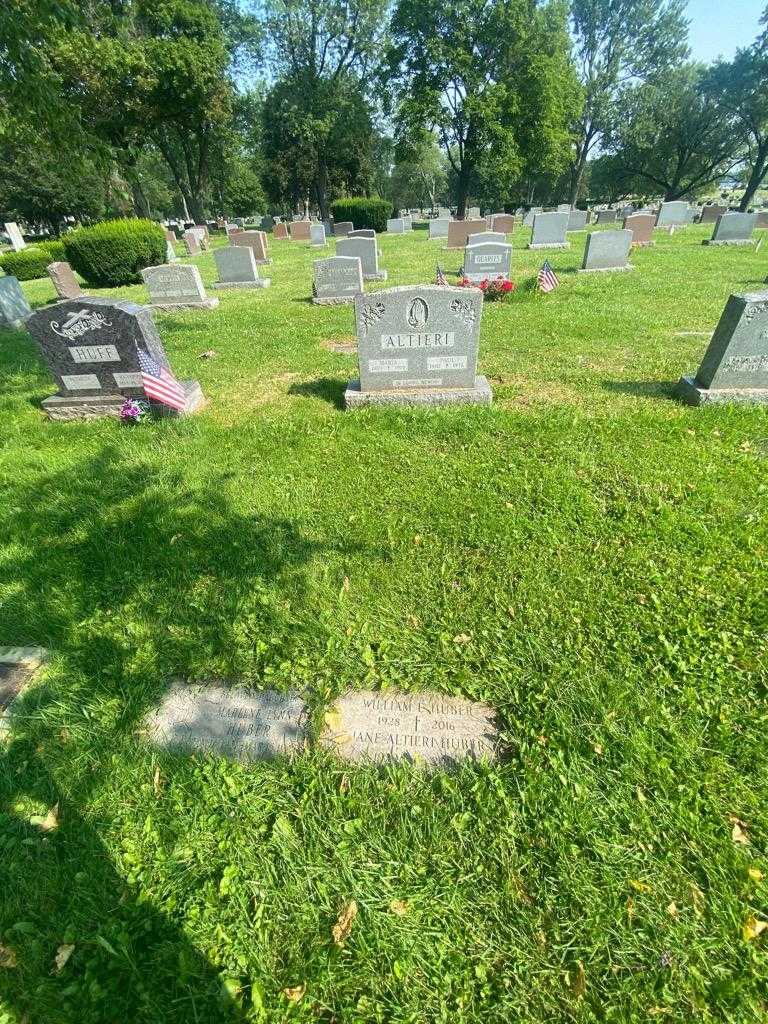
[[29, 264], [364, 213], [113, 252]]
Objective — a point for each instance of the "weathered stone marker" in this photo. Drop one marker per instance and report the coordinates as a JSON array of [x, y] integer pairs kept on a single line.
[[460, 230], [300, 230], [14, 308], [280, 231], [255, 240], [641, 225], [487, 260], [503, 222], [606, 216], [337, 280], [578, 220], [549, 231], [607, 250], [64, 280], [89, 345], [439, 731], [675, 213], [17, 667], [366, 249], [246, 725], [317, 235], [418, 345], [362, 233], [438, 227], [341, 228], [395, 226], [15, 235], [237, 268], [710, 214], [733, 229], [191, 242], [530, 216], [735, 365], [176, 287]]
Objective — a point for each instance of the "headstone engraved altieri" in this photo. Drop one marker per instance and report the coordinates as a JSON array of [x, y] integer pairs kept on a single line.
[[17, 667], [245, 725], [64, 281], [735, 365], [16, 237], [608, 250], [90, 347], [440, 731], [14, 308], [733, 229], [366, 249], [549, 231], [337, 280], [237, 268], [487, 260], [418, 345], [176, 287]]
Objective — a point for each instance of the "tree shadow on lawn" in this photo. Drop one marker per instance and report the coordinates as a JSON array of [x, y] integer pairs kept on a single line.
[[641, 388], [330, 389], [130, 574]]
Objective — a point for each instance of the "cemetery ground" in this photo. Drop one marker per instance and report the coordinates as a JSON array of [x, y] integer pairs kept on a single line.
[[587, 555]]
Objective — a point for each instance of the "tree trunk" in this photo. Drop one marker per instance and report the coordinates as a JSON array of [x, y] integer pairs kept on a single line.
[[759, 171], [321, 187], [462, 193], [140, 204], [577, 174], [196, 209]]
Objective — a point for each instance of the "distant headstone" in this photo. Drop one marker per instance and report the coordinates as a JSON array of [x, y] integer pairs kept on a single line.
[[237, 268], [733, 229], [735, 365], [281, 231], [578, 220], [337, 280], [170, 236], [366, 249], [341, 228], [90, 346], [530, 216], [246, 725], [486, 236], [176, 287], [231, 229], [460, 230], [762, 220], [191, 242], [317, 234], [300, 230], [362, 233], [606, 216], [203, 238], [485, 260], [429, 727], [395, 226], [673, 214], [473, 213], [240, 221], [17, 667], [267, 223], [710, 214], [549, 231], [418, 345], [641, 225], [408, 222], [15, 235], [607, 250], [257, 241], [438, 228], [503, 222], [563, 207], [64, 281], [14, 308]]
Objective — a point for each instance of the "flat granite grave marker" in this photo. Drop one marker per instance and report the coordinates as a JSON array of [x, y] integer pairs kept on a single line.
[[733, 229], [179, 287], [578, 220], [64, 280], [300, 230], [342, 228], [418, 345], [317, 235], [15, 235], [673, 214], [641, 225], [710, 214], [366, 250], [438, 228], [280, 231], [89, 345], [607, 250], [549, 231], [503, 222], [395, 226], [429, 727], [17, 667], [460, 230], [256, 240], [14, 308], [337, 280], [487, 260], [246, 725], [735, 365], [236, 266]]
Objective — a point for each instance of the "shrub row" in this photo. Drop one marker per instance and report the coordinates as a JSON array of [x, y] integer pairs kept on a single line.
[[364, 213], [29, 264], [113, 252]]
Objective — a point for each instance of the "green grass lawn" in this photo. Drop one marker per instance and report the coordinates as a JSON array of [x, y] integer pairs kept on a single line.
[[587, 555]]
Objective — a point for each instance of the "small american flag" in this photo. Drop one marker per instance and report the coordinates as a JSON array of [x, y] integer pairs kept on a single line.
[[159, 383], [440, 279], [547, 279]]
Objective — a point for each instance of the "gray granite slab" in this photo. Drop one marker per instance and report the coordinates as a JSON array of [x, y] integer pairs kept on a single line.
[[14, 308], [175, 287], [426, 727], [362, 233], [395, 226], [673, 214], [366, 249], [245, 725], [710, 214], [530, 216], [236, 265], [733, 229], [549, 230], [578, 220], [487, 260], [438, 228], [341, 228], [608, 250], [606, 216], [337, 280], [486, 236], [317, 234]]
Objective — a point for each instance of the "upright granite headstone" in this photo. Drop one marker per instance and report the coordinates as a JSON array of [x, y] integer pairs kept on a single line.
[[606, 216], [14, 308], [366, 249], [607, 250], [237, 268], [503, 222], [549, 231], [530, 216], [473, 213], [673, 214], [733, 229], [267, 223], [710, 214], [90, 346], [15, 235], [735, 365], [341, 228], [300, 230], [430, 728], [460, 230], [177, 287], [418, 345], [255, 240], [317, 235], [337, 280], [191, 242], [487, 236], [438, 228], [64, 281], [362, 233], [280, 231], [578, 220], [563, 207], [641, 225], [246, 725], [487, 260], [395, 226]]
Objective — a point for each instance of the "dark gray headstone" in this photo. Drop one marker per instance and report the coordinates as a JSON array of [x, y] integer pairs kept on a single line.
[[733, 229], [487, 260], [606, 216], [362, 233], [14, 308], [267, 223], [549, 231], [418, 345], [366, 249], [236, 265], [608, 250], [176, 287], [735, 365], [710, 214], [89, 345], [337, 280]]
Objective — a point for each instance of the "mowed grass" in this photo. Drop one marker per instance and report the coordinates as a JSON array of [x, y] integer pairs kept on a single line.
[[587, 555]]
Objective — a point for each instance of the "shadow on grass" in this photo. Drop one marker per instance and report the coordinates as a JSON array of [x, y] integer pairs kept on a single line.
[[641, 388], [328, 388], [130, 573]]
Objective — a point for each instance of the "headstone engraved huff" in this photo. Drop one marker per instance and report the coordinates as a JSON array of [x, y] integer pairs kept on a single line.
[[90, 346], [245, 725], [418, 345], [14, 308], [64, 281], [337, 280], [735, 365], [428, 727], [237, 268], [176, 287]]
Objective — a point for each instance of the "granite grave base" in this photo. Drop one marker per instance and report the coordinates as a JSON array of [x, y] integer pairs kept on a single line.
[[92, 407], [691, 393], [333, 300], [172, 306], [549, 245], [480, 394], [262, 282], [381, 276], [729, 241], [604, 270]]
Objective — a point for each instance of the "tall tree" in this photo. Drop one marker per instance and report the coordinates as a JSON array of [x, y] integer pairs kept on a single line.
[[492, 78], [615, 42]]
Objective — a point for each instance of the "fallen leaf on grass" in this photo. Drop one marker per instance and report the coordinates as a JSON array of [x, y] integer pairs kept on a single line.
[[739, 830], [639, 886], [399, 907], [672, 909], [333, 720], [157, 782], [344, 784], [208, 354], [63, 953], [7, 957], [753, 928], [462, 638], [341, 930], [48, 822], [295, 994], [755, 875], [577, 981]]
